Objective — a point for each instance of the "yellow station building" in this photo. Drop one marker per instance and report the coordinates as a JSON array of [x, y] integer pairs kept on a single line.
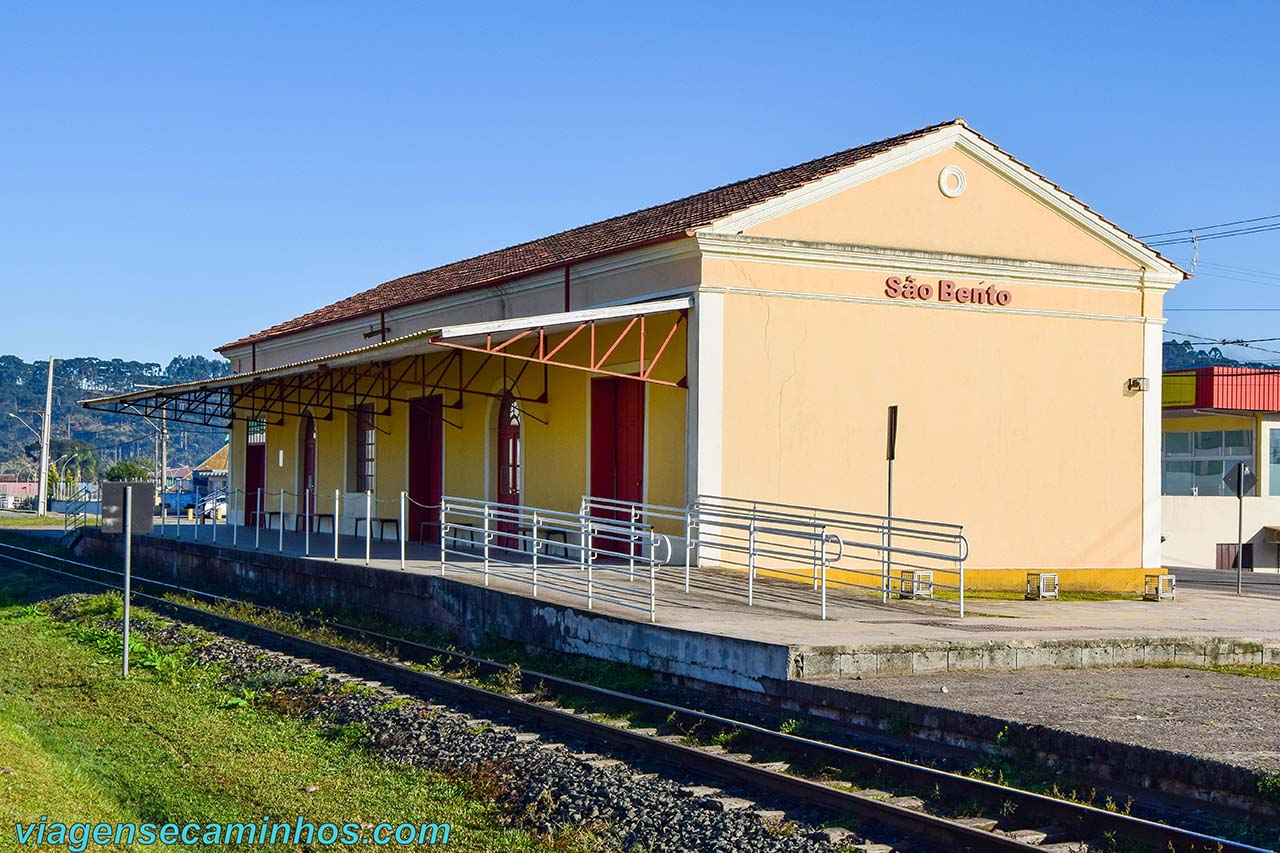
[[747, 341]]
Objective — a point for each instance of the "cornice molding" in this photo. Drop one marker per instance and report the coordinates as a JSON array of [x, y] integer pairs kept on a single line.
[[922, 305], [889, 259]]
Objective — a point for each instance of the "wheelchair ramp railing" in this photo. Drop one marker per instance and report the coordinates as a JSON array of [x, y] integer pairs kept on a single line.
[[78, 512], [888, 557], [595, 559], [829, 552]]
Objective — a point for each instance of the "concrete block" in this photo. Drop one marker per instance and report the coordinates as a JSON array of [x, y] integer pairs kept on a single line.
[[968, 658], [894, 662], [929, 660]]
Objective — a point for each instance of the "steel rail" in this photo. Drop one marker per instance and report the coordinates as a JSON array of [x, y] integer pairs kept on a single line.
[[1073, 818]]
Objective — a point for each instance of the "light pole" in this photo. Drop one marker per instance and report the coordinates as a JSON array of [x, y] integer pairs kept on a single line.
[[34, 431], [162, 432], [164, 444], [44, 462], [56, 469], [45, 426]]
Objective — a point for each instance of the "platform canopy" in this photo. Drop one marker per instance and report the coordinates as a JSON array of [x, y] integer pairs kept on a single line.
[[431, 361]]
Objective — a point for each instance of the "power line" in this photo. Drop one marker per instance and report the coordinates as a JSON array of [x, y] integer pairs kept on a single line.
[[1240, 341], [1219, 272], [1211, 227], [1247, 270], [1196, 237], [1223, 342]]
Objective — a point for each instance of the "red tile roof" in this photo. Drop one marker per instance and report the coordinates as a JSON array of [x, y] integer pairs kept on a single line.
[[653, 224], [217, 462], [631, 230]]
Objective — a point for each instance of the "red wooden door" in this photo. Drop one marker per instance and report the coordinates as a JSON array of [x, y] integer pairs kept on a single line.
[[617, 448], [508, 491], [426, 468], [629, 466], [255, 478]]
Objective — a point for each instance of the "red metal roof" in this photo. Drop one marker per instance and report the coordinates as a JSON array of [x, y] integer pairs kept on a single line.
[[1239, 389]]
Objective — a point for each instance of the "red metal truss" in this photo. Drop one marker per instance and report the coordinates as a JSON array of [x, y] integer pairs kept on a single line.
[[325, 389], [319, 393], [603, 344]]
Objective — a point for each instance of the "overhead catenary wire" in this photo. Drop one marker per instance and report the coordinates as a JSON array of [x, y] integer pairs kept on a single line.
[[1209, 232], [1223, 341]]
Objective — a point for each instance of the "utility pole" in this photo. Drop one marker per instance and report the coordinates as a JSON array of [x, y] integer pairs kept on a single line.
[[162, 436], [1241, 470], [164, 462], [43, 507]]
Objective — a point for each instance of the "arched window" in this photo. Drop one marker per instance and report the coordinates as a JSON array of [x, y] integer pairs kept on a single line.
[[307, 459], [508, 430]]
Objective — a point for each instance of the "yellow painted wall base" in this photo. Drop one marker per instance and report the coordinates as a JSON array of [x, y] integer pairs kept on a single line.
[[990, 580], [1069, 580]]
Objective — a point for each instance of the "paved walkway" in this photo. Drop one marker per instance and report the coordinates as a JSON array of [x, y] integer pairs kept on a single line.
[[787, 613], [1261, 583]]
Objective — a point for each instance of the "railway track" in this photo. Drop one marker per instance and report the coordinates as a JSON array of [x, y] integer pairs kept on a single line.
[[919, 811]]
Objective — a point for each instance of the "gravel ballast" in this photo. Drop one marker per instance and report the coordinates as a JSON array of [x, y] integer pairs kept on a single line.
[[544, 782]]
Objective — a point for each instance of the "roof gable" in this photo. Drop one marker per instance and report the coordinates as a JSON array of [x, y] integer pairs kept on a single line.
[[218, 461], [1008, 209]]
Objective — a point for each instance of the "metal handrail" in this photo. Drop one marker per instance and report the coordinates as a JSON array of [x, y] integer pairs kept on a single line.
[[792, 540], [856, 521], [516, 544], [76, 513], [827, 512]]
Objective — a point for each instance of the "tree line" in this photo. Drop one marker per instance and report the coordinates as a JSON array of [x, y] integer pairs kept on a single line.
[[85, 443]]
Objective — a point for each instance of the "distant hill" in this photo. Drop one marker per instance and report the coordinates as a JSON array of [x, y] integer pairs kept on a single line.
[[1184, 355], [97, 438]]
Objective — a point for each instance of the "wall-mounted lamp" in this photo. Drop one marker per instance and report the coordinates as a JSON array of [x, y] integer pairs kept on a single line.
[[1138, 383]]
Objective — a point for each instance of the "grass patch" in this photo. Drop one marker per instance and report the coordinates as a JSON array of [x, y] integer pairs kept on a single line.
[[1248, 670], [20, 520], [168, 745]]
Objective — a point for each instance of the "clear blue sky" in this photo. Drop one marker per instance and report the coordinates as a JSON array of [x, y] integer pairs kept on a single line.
[[175, 175]]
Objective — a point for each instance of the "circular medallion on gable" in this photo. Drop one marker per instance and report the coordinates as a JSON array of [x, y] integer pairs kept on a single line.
[[951, 181]]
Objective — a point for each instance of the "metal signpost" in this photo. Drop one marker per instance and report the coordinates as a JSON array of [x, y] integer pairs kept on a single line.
[[891, 451], [127, 508], [1242, 480]]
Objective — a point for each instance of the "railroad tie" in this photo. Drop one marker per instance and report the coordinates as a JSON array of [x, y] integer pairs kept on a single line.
[[774, 766], [914, 803], [699, 790], [730, 804], [1027, 836], [835, 835]]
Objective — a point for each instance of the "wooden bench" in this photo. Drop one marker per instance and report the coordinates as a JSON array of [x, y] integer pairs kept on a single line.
[[382, 526], [316, 516], [475, 535], [548, 534]]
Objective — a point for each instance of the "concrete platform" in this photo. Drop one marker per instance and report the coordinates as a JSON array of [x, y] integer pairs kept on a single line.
[[711, 635]]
